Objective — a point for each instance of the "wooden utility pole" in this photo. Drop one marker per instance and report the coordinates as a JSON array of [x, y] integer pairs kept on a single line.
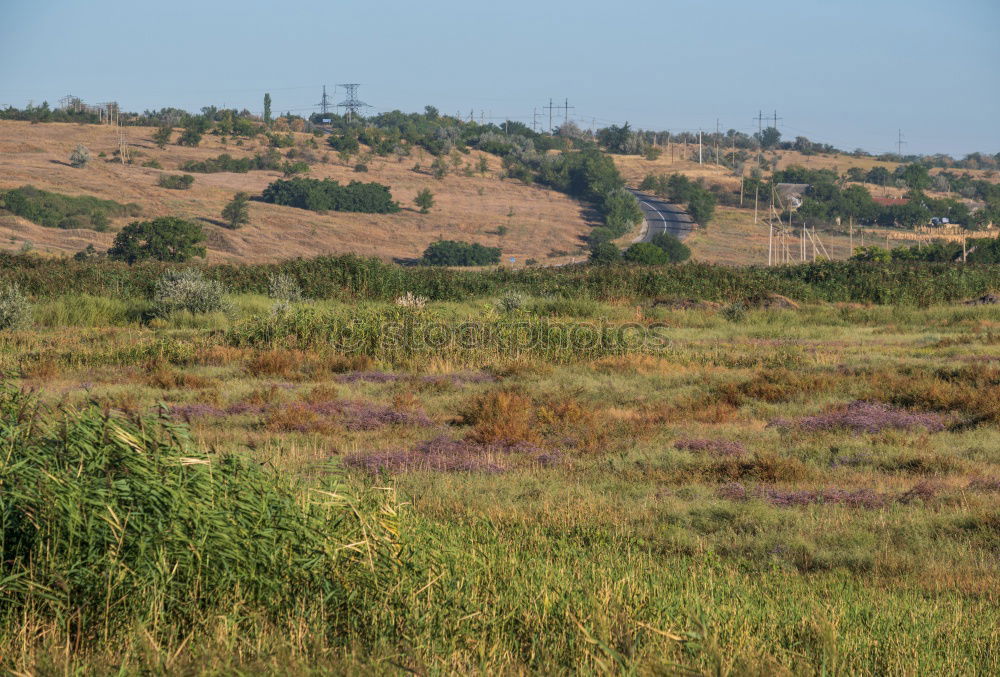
[[699, 146]]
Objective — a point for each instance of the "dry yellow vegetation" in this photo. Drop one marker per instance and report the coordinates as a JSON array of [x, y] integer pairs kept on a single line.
[[540, 223]]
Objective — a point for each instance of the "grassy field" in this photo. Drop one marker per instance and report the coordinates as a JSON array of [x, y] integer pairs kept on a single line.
[[540, 223], [585, 485]]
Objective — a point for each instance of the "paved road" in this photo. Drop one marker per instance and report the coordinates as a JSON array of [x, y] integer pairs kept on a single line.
[[662, 217]]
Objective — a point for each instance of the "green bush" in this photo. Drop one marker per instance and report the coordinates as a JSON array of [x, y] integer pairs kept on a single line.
[[452, 253], [54, 210], [80, 157], [676, 250], [646, 253], [175, 182], [187, 290], [15, 310], [604, 253], [316, 195], [165, 239]]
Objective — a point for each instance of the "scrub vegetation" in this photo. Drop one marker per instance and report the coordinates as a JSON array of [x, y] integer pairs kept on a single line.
[[340, 465]]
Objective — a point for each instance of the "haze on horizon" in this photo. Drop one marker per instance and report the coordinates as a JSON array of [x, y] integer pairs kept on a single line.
[[849, 73]]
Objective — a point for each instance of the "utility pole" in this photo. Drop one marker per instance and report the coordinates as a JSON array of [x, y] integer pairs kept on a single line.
[[324, 103], [699, 146], [534, 120], [550, 107], [717, 142], [776, 118], [566, 108]]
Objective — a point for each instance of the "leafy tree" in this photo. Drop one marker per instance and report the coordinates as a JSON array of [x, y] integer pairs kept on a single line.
[[675, 250], [701, 206], [878, 175], [646, 253], [161, 137], [916, 176], [769, 138], [599, 235], [80, 156], [237, 211], [267, 108], [424, 200], [604, 253], [164, 239], [316, 195]]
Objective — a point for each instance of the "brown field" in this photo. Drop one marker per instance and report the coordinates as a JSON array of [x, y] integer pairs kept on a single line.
[[540, 222]]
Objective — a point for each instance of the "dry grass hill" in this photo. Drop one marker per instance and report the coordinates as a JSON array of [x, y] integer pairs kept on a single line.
[[541, 224]]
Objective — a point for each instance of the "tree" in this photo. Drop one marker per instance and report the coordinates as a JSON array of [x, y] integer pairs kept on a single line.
[[916, 176], [237, 211], [164, 239], [769, 138], [79, 157], [267, 109], [701, 206], [195, 126], [604, 253], [646, 253], [161, 137], [424, 200], [878, 175], [675, 250]]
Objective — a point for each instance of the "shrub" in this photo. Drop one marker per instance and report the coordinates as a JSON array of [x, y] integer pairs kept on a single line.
[[316, 195], [15, 310], [237, 211], [605, 253], [646, 253], [424, 200], [165, 239], [452, 253], [80, 157], [283, 287], [675, 250], [701, 206], [161, 137], [54, 210], [509, 303], [293, 168], [227, 163], [175, 182], [187, 290], [152, 164]]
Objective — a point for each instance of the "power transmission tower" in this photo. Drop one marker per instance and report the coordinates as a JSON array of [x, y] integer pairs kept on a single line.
[[324, 103], [351, 103], [534, 120], [899, 142], [776, 118]]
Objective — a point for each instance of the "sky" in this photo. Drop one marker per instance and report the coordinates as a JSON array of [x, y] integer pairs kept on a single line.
[[847, 72]]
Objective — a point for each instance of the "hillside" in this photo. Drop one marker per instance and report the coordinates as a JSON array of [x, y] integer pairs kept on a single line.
[[541, 224], [734, 238]]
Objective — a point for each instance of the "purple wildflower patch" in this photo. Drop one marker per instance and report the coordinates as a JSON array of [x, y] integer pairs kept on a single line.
[[865, 417], [853, 498], [985, 484], [355, 415], [445, 454], [714, 447]]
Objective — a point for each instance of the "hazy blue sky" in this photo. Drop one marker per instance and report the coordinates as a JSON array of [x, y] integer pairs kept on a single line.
[[848, 72]]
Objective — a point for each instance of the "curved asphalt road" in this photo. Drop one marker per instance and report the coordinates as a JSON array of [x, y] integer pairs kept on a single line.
[[662, 217]]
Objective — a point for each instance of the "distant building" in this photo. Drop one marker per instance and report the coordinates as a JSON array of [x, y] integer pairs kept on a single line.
[[791, 193]]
